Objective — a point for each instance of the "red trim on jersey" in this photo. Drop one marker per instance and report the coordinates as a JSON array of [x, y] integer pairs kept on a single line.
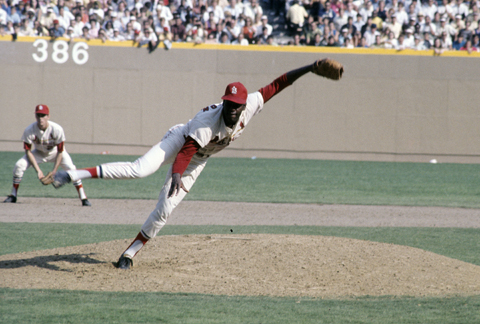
[[275, 87], [27, 147], [60, 147], [185, 155]]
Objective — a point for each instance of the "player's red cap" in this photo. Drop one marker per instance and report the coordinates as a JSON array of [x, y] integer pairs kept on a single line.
[[42, 109], [236, 92]]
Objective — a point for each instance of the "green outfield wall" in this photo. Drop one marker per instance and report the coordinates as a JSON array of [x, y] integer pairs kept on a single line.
[[118, 98]]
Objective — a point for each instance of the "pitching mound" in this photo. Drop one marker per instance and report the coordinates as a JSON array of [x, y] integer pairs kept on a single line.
[[273, 265]]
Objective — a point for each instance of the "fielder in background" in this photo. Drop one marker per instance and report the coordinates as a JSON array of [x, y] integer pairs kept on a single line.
[[48, 139], [189, 146]]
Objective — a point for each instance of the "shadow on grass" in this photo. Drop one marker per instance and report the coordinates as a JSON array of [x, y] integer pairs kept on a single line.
[[46, 261]]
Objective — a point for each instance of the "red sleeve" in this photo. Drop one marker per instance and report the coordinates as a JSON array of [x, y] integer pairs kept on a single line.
[[60, 147], [27, 147], [185, 155], [275, 87]]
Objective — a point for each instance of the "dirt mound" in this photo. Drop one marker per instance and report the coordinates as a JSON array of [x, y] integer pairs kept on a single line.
[[255, 264]]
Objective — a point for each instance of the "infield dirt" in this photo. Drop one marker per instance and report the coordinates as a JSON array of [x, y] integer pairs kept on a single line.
[[254, 264]]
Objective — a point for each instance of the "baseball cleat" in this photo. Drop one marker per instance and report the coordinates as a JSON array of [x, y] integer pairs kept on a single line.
[[61, 178], [86, 203], [124, 262], [10, 199]]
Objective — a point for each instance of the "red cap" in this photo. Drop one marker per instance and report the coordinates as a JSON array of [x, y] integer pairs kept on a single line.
[[236, 92], [56, 21], [42, 109]]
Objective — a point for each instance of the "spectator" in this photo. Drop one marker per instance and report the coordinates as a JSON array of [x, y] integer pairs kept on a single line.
[[362, 43], [195, 31], [467, 31], [77, 25], [377, 20], [366, 11], [359, 23], [446, 41], [56, 30], [468, 47], [129, 33], [86, 33], [391, 42], [163, 11], [240, 40], [340, 19], [178, 30], [378, 42], [263, 39], [427, 42], [350, 10], [64, 17], [264, 24], [430, 8], [476, 41], [316, 40], [446, 9], [234, 8], [401, 14], [370, 35], [394, 26], [348, 43], [25, 29], [458, 24], [296, 17], [147, 37], [30, 18], [248, 30], [460, 8], [224, 38], [69, 34], [343, 35], [418, 44], [14, 17], [428, 26], [350, 26], [458, 43], [401, 43], [47, 20], [94, 28], [437, 46], [380, 12], [409, 38], [326, 11]]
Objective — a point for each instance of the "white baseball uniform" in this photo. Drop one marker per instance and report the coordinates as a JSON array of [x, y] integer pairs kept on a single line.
[[208, 129], [46, 145]]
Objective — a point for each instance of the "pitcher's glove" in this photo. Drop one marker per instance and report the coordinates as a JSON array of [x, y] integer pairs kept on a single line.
[[48, 179], [328, 68]]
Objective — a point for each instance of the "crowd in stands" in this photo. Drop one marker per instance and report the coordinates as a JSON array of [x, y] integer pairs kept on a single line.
[[391, 24]]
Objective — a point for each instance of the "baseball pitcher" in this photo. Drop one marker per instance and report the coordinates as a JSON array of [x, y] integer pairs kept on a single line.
[[188, 147]]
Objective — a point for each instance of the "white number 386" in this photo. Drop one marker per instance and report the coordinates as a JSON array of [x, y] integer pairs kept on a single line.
[[60, 52]]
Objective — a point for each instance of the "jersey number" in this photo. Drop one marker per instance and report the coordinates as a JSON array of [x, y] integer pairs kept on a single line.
[[207, 108]]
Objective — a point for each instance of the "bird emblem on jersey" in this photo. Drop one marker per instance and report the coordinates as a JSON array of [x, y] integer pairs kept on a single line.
[[234, 90]]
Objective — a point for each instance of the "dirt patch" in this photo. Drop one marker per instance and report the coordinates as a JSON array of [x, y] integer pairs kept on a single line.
[[271, 265]]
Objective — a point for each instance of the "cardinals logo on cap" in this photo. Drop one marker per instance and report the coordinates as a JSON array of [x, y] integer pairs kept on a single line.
[[234, 90]]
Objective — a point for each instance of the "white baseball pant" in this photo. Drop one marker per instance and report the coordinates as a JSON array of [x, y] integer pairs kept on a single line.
[[160, 154]]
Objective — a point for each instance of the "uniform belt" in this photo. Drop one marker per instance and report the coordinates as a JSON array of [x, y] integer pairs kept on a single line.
[[202, 155]]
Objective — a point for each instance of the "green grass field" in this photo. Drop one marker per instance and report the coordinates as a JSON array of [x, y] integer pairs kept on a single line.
[[260, 180]]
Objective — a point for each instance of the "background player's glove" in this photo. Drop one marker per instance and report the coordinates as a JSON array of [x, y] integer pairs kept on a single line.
[[328, 68], [48, 179]]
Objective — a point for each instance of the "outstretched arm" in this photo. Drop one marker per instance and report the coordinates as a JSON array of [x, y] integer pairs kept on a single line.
[[283, 81], [326, 68]]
